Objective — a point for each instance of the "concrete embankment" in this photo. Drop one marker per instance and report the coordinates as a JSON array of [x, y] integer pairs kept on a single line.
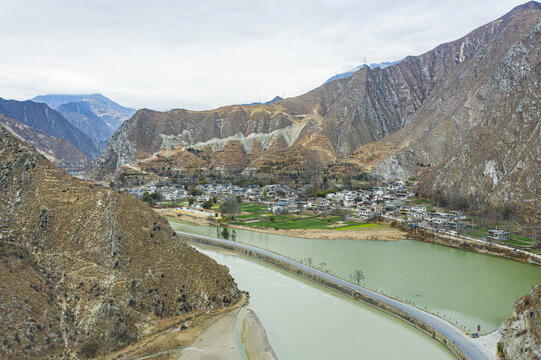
[[453, 338]]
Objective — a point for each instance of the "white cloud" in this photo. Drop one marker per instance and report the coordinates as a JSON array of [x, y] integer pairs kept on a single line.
[[201, 55]]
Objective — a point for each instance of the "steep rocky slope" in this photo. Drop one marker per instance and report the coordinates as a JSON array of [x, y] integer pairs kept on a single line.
[[521, 333], [43, 118], [85, 269], [478, 137], [93, 114], [309, 131], [60, 152], [81, 116]]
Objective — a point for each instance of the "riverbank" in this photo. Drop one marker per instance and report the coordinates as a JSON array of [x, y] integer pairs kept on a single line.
[[469, 244], [379, 232], [217, 342], [387, 232], [255, 339], [202, 336]]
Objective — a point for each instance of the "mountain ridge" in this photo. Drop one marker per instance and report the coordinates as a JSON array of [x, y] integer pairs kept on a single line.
[[84, 267], [94, 114], [346, 74], [59, 151], [43, 118], [397, 122]]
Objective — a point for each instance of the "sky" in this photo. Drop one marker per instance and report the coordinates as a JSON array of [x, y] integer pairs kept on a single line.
[[209, 53]]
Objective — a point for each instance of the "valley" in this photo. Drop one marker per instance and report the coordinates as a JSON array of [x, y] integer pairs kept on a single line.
[[392, 211]]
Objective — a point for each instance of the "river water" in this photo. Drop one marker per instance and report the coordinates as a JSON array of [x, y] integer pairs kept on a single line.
[[306, 321], [467, 288]]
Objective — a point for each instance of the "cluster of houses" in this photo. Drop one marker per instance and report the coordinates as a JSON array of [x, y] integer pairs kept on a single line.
[[389, 201], [167, 192]]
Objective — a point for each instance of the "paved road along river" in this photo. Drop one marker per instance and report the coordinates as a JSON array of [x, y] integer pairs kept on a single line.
[[469, 347]]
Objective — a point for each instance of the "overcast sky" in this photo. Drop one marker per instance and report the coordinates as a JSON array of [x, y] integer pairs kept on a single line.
[[205, 54]]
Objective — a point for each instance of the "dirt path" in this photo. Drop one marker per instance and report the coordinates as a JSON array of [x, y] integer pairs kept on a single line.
[[216, 342], [219, 341]]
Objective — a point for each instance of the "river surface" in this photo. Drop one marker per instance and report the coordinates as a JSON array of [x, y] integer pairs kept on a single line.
[[304, 320], [467, 288]]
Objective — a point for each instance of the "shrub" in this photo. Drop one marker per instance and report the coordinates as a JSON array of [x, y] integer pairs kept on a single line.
[[89, 349]]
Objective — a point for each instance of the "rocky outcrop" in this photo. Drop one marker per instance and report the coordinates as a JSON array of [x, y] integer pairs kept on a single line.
[[86, 270], [521, 333]]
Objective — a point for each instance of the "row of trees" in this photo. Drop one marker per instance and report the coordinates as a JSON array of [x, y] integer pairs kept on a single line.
[[224, 233]]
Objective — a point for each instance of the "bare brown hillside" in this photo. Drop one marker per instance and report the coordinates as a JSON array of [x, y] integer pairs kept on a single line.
[[86, 270]]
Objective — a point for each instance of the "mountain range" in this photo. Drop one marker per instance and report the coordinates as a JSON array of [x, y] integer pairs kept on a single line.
[[462, 118], [275, 99], [94, 114], [41, 117], [57, 150], [70, 136], [346, 74]]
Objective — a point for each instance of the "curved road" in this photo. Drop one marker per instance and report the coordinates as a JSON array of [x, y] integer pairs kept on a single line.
[[471, 349]]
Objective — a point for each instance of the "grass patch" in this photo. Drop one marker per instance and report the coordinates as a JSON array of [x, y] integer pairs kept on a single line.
[[304, 224], [253, 208], [358, 226], [291, 222], [278, 218], [525, 239], [176, 203], [514, 242], [478, 233]]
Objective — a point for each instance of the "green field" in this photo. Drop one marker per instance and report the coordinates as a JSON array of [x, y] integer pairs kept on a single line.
[[254, 209], [525, 239], [358, 226], [513, 238], [478, 233], [176, 203], [291, 222], [417, 202], [514, 242]]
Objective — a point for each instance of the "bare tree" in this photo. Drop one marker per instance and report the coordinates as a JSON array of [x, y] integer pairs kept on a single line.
[[231, 206], [357, 276]]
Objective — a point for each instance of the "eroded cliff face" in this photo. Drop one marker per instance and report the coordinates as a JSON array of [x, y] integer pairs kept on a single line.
[[310, 131], [521, 333], [318, 128], [477, 137], [84, 267]]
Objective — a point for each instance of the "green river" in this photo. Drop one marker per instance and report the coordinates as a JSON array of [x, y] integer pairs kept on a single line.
[[306, 321], [464, 287]]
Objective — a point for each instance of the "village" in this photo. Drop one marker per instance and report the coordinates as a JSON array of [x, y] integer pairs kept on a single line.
[[280, 206]]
